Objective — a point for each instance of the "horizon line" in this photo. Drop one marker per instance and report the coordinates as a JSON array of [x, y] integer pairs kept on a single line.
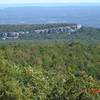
[[3, 6], [54, 3]]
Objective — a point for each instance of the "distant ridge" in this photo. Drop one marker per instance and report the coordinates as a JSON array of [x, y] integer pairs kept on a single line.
[[85, 15]]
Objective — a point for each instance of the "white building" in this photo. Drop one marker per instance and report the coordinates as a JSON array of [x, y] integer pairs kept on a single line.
[[79, 26]]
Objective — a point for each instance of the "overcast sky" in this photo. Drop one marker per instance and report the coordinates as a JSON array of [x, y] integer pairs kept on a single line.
[[45, 1]]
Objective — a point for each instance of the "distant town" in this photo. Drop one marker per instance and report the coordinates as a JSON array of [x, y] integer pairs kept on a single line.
[[65, 29]]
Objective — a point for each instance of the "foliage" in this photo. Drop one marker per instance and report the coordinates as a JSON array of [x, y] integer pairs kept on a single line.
[[49, 71]]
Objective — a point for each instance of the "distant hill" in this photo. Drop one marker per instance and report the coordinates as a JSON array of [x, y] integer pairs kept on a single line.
[[85, 15]]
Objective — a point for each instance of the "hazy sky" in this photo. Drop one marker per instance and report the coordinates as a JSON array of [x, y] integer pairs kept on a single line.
[[45, 1]]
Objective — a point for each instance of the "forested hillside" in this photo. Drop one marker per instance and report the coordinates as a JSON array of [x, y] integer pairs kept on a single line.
[[49, 71]]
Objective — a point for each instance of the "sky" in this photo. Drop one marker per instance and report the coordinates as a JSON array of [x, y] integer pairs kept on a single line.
[[46, 1]]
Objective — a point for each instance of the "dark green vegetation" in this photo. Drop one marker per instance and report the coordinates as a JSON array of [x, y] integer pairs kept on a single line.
[[29, 27], [49, 71]]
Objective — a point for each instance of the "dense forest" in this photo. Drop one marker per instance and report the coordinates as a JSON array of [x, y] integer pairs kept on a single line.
[[52, 65], [49, 71], [29, 27]]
